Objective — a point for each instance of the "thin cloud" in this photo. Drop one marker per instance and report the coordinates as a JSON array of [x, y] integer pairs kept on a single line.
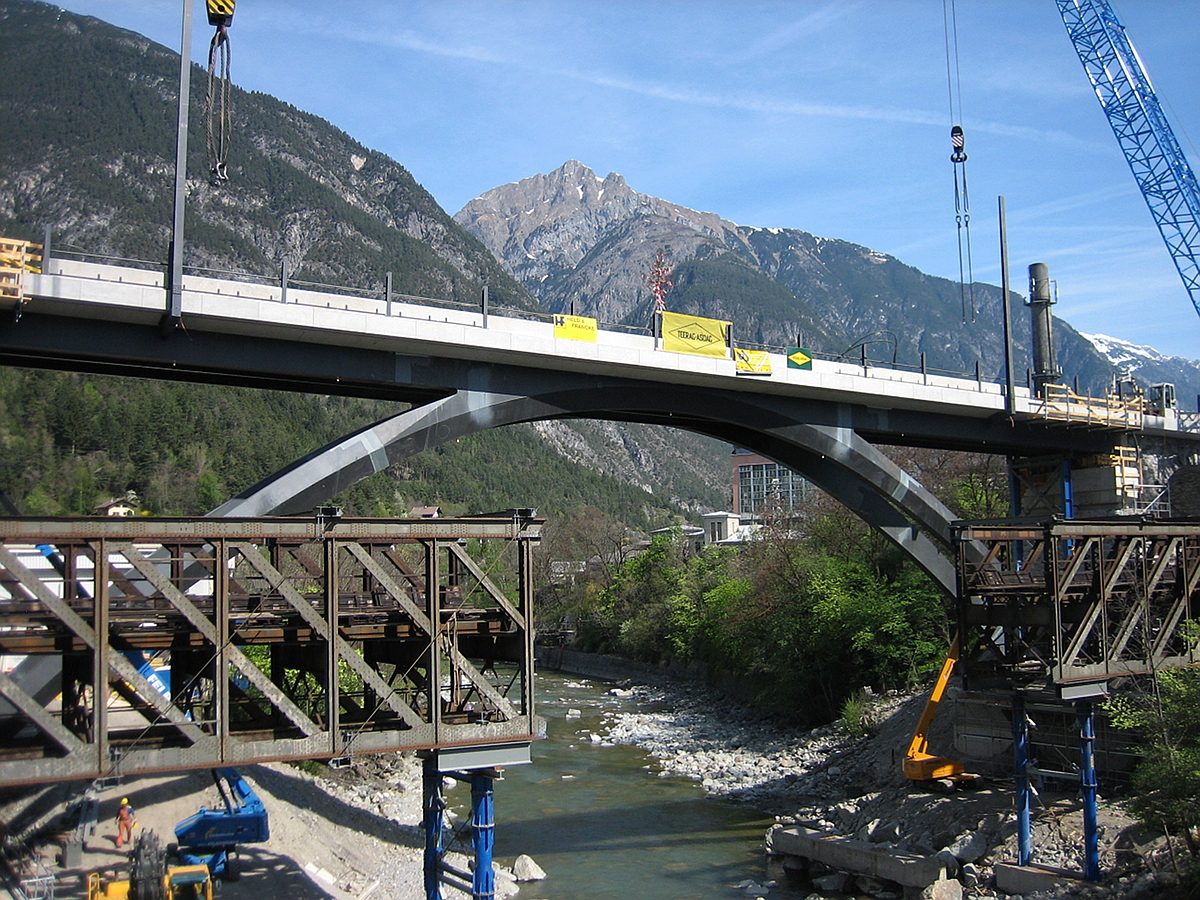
[[813, 23], [763, 105]]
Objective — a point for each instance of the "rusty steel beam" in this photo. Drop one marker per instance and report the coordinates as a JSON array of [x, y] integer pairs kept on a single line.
[[295, 638], [1069, 602]]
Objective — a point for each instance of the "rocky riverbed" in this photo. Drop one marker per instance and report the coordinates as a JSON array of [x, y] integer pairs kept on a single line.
[[853, 786]]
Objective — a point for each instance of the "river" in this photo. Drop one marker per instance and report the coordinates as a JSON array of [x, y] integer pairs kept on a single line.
[[602, 822]]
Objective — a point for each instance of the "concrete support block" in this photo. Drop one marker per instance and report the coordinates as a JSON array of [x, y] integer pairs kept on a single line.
[[1014, 879], [857, 856]]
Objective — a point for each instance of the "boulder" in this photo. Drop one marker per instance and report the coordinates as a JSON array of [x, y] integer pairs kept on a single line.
[[942, 889], [525, 869], [969, 875], [884, 833], [834, 883], [949, 861], [868, 884]]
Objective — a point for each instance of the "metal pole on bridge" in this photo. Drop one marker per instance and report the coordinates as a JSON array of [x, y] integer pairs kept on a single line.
[[175, 273], [1009, 400]]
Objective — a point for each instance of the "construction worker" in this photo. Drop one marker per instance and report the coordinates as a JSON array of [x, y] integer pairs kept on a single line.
[[125, 822]]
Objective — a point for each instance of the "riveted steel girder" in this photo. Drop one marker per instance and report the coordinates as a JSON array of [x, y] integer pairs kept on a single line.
[[1075, 601], [180, 644]]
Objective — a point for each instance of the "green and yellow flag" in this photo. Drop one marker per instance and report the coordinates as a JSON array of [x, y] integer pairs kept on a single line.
[[695, 335], [799, 358]]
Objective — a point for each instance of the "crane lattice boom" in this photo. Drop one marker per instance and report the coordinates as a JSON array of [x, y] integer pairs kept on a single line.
[[1128, 99]]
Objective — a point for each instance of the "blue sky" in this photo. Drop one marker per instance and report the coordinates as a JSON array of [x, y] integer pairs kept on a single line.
[[830, 117]]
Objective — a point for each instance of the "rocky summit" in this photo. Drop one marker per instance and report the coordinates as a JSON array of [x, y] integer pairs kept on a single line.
[[573, 237]]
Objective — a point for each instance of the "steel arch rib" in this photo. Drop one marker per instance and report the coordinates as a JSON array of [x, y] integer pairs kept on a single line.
[[835, 459]]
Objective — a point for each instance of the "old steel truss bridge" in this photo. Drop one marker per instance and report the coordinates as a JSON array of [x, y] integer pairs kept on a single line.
[[1070, 607], [1066, 604], [135, 645]]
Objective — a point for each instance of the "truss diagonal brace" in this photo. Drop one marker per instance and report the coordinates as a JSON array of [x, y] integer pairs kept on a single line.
[[118, 663], [343, 650], [37, 713], [180, 601]]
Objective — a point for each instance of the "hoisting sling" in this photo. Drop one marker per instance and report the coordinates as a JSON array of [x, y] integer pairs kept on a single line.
[[962, 202], [220, 14]]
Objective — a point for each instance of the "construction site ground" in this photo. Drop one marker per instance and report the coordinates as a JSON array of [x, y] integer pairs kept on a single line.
[[356, 832]]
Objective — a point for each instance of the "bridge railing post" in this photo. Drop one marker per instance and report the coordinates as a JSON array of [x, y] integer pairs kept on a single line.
[[484, 303], [283, 280], [387, 292]]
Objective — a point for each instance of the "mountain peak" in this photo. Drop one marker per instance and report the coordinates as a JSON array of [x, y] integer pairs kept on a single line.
[[543, 226]]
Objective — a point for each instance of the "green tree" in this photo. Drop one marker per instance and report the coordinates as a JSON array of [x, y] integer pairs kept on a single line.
[[1166, 782]]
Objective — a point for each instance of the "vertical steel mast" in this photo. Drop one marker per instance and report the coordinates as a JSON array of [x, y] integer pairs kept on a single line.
[[1128, 100]]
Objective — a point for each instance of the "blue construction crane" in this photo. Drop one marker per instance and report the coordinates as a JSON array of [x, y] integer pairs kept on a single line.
[[1149, 144]]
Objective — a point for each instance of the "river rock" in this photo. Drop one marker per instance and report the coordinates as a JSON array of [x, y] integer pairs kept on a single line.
[[525, 869], [835, 883], [942, 889]]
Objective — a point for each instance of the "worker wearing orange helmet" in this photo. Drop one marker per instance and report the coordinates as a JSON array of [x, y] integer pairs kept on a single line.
[[125, 822]]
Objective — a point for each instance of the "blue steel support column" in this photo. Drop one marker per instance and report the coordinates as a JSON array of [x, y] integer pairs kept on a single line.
[[1087, 785], [483, 831], [1068, 489], [1014, 510], [431, 803], [1020, 727]]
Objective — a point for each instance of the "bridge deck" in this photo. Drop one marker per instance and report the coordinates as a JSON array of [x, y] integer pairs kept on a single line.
[[94, 291]]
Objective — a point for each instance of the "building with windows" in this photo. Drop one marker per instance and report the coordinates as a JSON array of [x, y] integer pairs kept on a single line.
[[760, 485]]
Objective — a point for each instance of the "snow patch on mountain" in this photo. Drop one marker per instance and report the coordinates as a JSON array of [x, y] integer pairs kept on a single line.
[[1126, 355]]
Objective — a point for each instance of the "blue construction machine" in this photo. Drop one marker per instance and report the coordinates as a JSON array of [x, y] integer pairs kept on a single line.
[[211, 836]]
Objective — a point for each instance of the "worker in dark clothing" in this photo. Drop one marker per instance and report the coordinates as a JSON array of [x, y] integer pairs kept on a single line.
[[125, 822]]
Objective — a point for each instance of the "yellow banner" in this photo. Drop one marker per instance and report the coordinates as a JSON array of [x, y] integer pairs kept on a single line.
[[575, 328], [692, 334], [752, 362]]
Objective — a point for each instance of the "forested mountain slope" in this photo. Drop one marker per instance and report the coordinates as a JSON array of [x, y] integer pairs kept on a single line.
[[94, 109]]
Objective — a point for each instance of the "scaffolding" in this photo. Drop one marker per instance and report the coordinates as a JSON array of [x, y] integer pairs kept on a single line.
[[16, 258], [1061, 404]]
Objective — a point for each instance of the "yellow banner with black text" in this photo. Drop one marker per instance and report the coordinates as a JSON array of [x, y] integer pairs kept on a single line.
[[575, 328], [695, 335]]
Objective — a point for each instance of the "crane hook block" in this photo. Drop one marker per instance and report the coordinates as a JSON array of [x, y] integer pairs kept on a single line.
[[956, 141], [220, 12]]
